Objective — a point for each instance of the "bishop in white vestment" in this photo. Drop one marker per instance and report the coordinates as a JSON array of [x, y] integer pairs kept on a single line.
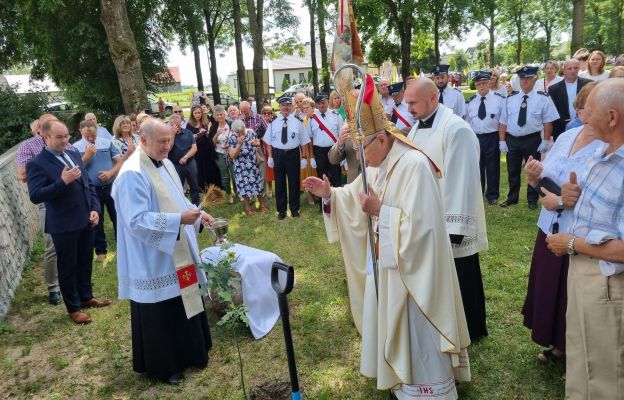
[[158, 261], [454, 148], [414, 333]]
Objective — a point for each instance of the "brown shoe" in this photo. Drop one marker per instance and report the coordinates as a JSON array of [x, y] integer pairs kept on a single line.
[[96, 303], [80, 317]]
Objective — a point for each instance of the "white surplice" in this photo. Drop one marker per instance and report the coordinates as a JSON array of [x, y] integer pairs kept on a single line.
[[454, 148], [414, 337], [146, 237]]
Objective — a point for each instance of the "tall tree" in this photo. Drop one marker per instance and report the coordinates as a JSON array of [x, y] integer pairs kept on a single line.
[[551, 18], [238, 45], [124, 53], [578, 17], [604, 25], [447, 17], [321, 13], [515, 22], [487, 14], [312, 5], [217, 14]]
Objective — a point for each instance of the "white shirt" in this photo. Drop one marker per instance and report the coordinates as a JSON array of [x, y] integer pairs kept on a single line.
[[540, 85], [401, 109], [540, 110], [295, 137], [103, 133], [494, 103], [454, 99], [571, 89], [601, 77], [332, 121]]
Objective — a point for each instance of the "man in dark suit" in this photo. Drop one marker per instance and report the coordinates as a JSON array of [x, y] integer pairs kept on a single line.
[[57, 177], [563, 93]]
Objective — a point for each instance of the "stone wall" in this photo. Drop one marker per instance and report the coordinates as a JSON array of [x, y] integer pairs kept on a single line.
[[19, 225]]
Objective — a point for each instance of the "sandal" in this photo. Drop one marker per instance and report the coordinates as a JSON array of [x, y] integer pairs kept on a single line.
[[263, 209], [549, 355], [250, 212]]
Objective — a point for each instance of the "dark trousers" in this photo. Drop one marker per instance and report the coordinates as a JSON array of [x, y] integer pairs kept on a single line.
[[324, 167], [106, 201], [188, 173], [489, 164], [74, 255], [287, 164], [520, 148]]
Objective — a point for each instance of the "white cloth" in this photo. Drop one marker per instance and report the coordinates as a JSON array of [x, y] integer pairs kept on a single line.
[[571, 90], [454, 148], [557, 166], [254, 266], [223, 134], [601, 77], [146, 237], [543, 87]]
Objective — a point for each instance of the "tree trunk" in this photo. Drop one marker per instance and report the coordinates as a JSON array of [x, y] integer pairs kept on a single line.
[[491, 30], [256, 26], [578, 17], [238, 44], [406, 47], [310, 4], [125, 56], [548, 30], [212, 58], [198, 71], [320, 8]]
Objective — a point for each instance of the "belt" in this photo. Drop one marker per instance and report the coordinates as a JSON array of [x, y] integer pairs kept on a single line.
[[486, 133], [526, 136], [284, 150], [323, 147]]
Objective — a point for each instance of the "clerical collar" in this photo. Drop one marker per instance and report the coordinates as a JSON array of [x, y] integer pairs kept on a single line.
[[428, 122], [157, 163]]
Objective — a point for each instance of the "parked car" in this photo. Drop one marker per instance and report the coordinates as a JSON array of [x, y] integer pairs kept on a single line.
[[154, 108], [65, 111], [226, 100], [301, 87]]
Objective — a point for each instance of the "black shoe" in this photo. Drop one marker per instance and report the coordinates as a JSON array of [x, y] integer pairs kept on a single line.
[[532, 206], [175, 379], [295, 214], [493, 202], [508, 203], [281, 216], [54, 298]]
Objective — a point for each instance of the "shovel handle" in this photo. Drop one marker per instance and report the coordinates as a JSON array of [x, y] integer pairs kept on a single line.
[[290, 278]]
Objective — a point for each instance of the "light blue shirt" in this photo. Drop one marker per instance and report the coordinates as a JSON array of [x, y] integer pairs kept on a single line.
[[540, 110], [102, 160], [571, 90], [454, 99], [332, 121], [557, 166], [296, 136], [103, 133], [494, 103]]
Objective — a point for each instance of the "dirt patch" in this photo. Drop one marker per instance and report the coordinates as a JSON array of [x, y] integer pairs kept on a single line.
[[271, 390]]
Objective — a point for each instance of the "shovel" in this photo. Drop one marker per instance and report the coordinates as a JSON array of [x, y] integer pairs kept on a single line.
[[282, 292]]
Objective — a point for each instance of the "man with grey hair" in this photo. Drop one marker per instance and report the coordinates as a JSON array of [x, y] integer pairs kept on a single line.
[[453, 146], [158, 260], [102, 132], [563, 93], [182, 155], [594, 319]]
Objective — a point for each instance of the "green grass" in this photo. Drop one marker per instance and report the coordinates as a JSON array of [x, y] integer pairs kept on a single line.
[[44, 355]]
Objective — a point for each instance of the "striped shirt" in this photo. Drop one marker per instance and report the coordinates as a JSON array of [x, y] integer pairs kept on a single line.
[[30, 148], [600, 208]]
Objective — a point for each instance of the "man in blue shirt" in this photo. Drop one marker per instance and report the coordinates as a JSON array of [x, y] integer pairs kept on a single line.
[[102, 161], [182, 155]]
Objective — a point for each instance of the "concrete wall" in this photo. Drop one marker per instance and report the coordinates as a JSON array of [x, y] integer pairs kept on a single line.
[[19, 225]]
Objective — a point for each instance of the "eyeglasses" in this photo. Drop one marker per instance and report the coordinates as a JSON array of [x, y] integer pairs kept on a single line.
[[267, 112], [178, 112]]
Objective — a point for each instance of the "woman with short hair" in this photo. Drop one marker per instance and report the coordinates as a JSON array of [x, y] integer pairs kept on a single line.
[[242, 150], [551, 76], [124, 140], [595, 67], [617, 72], [268, 115], [220, 134]]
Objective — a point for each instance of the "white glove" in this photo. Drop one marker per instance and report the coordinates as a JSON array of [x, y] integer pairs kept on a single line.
[[502, 146], [270, 162], [304, 163], [344, 165], [312, 163], [543, 147]]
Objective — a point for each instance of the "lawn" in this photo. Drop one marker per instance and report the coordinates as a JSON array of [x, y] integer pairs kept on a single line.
[[45, 356]]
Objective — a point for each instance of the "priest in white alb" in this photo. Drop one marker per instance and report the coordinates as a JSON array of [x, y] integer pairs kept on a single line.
[[158, 261], [414, 334], [453, 146]]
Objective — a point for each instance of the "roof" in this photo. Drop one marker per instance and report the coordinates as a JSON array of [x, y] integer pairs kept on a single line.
[[175, 73], [23, 84], [293, 61]]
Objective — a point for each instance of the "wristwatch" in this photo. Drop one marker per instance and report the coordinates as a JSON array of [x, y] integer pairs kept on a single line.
[[570, 248], [560, 203]]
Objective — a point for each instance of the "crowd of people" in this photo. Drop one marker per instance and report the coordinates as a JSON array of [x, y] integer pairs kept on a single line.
[[432, 160]]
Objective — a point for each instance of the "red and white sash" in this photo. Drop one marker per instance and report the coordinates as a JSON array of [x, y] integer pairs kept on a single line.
[[401, 118], [324, 128]]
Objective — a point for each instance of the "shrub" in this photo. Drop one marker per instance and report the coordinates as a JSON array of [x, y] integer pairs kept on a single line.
[[16, 114]]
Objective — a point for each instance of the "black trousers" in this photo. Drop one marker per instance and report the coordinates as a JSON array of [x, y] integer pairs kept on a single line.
[[74, 261], [520, 148], [489, 164], [106, 201], [324, 167], [287, 164], [188, 173]]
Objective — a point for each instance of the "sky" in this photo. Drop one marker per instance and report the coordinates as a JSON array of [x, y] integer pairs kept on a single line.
[[226, 60]]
